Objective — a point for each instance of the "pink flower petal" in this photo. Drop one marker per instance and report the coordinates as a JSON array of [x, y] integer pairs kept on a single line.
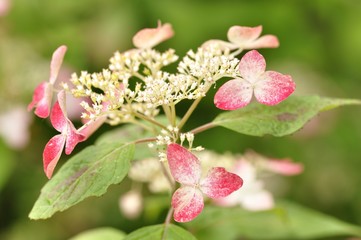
[[273, 88], [266, 41], [150, 37], [220, 183], [52, 153], [243, 35], [284, 167], [57, 118], [42, 100], [184, 166], [233, 94], [187, 203], [56, 61], [72, 138], [252, 65]]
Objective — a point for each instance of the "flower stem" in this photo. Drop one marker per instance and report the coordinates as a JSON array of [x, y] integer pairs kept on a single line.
[[146, 118], [189, 113], [167, 222], [203, 128]]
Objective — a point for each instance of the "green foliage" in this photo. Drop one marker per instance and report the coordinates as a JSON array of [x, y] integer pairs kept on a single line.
[[286, 221], [6, 164], [100, 234], [159, 232], [280, 120], [89, 173]]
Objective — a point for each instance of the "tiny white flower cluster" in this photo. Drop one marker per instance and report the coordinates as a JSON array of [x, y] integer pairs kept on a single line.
[[135, 85]]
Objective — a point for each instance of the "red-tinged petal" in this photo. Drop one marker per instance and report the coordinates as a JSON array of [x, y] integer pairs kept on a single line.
[[243, 35], [266, 41], [57, 118], [273, 88], [52, 153], [72, 138], [220, 183], [284, 167], [42, 100], [56, 62], [252, 65], [150, 37], [187, 203], [184, 166], [233, 94]]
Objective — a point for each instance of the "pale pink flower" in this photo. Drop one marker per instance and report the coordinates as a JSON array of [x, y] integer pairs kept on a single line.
[[244, 38], [68, 137], [14, 126], [43, 93], [185, 167], [150, 37], [284, 167], [4, 7], [252, 196], [269, 87]]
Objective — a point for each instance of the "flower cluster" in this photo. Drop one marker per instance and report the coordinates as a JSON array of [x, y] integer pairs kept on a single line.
[[135, 89]]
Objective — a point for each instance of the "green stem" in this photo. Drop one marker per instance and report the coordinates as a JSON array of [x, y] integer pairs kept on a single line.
[[203, 128], [167, 222], [189, 113], [146, 118], [144, 140]]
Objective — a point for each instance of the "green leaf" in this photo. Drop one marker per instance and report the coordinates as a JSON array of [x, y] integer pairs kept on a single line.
[[286, 221], [100, 234], [156, 232], [89, 173], [7, 163], [279, 120]]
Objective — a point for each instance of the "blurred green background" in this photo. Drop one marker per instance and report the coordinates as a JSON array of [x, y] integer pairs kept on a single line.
[[320, 47]]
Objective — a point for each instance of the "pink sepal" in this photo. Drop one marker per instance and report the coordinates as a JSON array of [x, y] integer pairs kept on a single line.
[[233, 94], [266, 41], [150, 37], [187, 203], [42, 97], [72, 138], [243, 35], [52, 153], [273, 87], [56, 61], [184, 166], [220, 183], [252, 66]]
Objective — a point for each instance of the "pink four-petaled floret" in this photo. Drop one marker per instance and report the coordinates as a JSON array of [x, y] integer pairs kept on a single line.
[[185, 167], [68, 137], [268, 87], [43, 93]]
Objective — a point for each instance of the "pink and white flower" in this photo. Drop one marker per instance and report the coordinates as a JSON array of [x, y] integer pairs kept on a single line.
[[185, 167], [68, 137], [244, 38], [150, 37], [268, 87], [43, 93]]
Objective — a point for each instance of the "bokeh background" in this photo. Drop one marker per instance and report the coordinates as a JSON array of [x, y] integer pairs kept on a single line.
[[320, 47]]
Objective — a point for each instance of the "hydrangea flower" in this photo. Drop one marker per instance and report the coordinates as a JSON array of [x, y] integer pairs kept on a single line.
[[269, 87], [254, 196], [43, 93], [68, 137], [243, 38], [185, 167], [150, 37]]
